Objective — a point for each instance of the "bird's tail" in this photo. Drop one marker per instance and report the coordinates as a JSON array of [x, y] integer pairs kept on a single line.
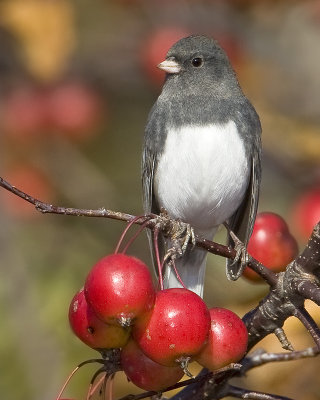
[[191, 268]]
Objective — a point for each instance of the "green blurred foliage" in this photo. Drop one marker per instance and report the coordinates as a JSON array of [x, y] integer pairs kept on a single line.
[[45, 258]]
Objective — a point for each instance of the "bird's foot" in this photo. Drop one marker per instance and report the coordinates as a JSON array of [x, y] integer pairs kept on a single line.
[[180, 233], [241, 251], [241, 259]]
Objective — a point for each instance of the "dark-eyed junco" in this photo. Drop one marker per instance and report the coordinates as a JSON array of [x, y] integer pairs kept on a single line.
[[201, 157]]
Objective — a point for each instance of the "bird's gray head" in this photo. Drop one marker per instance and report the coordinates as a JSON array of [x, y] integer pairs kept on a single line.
[[197, 63]]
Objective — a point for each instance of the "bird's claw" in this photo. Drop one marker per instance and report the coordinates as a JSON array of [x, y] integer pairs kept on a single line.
[[181, 234], [241, 251], [170, 255]]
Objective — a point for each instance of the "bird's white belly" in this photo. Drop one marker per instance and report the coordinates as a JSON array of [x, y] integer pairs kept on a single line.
[[202, 174]]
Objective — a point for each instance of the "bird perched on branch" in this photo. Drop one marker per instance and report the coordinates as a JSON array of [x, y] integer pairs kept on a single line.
[[201, 156]]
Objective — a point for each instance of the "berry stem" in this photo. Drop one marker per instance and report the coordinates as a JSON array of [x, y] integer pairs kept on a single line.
[[133, 221], [134, 237], [74, 371], [173, 264], [92, 389], [156, 249], [110, 387]]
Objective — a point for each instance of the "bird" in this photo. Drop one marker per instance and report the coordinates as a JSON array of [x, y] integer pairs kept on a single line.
[[201, 160]]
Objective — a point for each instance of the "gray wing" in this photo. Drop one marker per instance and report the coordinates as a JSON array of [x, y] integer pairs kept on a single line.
[[153, 144], [242, 221], [148, 169]]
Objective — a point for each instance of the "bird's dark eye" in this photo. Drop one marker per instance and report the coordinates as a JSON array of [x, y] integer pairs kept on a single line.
[[197, 62]]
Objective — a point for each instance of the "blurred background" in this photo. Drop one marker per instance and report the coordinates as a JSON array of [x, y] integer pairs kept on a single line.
[[77, 80]]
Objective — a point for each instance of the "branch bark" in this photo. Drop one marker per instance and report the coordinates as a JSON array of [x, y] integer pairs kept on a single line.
[[150, 221]]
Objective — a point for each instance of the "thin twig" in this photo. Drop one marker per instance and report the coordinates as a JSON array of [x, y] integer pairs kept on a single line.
[[309, 323], [260, 357], [178, 385], [240, 393], [149, 221], [308, 289]]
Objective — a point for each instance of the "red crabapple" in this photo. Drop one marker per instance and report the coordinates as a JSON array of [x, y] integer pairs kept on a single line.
[[90, 329], [145, 373], [271, 243], [176, 328], [119, 288], [227, 342]]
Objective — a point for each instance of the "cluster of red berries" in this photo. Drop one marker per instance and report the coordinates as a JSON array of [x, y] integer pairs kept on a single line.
[[158, 332]]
